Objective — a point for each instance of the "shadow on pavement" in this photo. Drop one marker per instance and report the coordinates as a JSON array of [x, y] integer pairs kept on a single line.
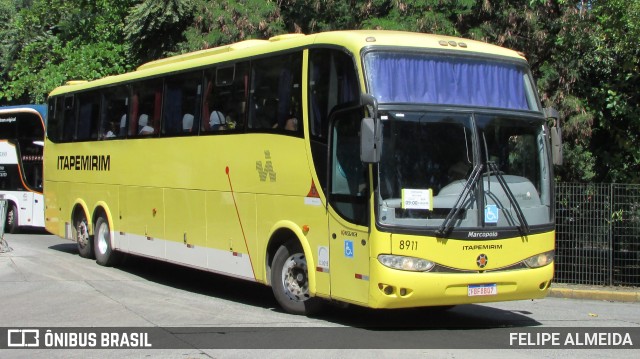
[[471, 316]]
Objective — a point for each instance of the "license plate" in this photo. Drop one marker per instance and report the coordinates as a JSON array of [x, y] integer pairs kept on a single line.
[[482, 289]]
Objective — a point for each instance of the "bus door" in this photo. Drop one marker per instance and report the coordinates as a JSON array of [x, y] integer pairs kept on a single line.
[[348, 214]]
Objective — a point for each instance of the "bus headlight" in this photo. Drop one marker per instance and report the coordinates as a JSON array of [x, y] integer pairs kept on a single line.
[[539, 260], [406, 263]]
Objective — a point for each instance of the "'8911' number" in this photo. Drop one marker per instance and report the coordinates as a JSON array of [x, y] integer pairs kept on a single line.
[[408, 245]]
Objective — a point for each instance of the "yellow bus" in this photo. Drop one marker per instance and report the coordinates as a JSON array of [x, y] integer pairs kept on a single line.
[[375, 168]]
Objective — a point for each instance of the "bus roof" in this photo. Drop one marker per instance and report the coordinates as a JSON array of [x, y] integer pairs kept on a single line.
[[354, 40], [41, 109]]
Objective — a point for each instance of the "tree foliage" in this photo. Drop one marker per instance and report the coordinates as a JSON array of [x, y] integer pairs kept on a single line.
[[60, 40], [226, 21], [583, 53], [155, 27]]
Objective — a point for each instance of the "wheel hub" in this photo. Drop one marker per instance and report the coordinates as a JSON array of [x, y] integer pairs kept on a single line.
[[102, 238], [294, 278], [83, 234]]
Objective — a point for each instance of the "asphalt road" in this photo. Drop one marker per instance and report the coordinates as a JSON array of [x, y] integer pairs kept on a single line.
[[193, 314]]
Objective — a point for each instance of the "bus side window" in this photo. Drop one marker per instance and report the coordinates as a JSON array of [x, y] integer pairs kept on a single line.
[[219, 85], [224, 105], [146, 108], [276, 92], [180, 113], [115, 112], [332, 82], [88, 116], [55, 121], [349, 178], [69, 119]]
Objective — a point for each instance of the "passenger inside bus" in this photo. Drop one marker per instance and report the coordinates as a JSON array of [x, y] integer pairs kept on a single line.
[[143, 125], [290, 120], [217, 121], [111, 130], [187, 123]]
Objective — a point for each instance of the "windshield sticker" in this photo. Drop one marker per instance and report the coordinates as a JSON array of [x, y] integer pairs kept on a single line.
[[491, 213], [417, 198]]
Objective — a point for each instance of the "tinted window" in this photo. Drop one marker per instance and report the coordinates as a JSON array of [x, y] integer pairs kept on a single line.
[[146, 107], [276, 94], [88, 115], [181, 112], [225, 101], [115, 112]]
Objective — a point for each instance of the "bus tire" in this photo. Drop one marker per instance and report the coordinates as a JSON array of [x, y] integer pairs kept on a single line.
[[290, 281], [83, 239], [11, 222], [105, 254]]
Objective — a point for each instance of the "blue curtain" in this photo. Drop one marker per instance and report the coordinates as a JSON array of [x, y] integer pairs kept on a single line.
[[284, 95], [407, 78], [173, 109]]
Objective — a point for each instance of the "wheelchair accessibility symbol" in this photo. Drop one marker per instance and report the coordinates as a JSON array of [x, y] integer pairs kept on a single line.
[[491, 213], [348, 248]]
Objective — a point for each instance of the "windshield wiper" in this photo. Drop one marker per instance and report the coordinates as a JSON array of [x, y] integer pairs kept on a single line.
[[447, 224], [524, 226]]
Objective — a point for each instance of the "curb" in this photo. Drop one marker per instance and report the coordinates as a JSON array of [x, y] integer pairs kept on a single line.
[[613, 296]]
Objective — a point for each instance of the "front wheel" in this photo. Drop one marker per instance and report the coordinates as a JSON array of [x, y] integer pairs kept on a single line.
[[105, 255], [290, 281]]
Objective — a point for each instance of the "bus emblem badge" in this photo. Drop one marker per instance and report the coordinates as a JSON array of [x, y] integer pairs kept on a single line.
[[482, 260], [267, 169]]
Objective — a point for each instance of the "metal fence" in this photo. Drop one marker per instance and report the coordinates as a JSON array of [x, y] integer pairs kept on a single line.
[[598, 234]]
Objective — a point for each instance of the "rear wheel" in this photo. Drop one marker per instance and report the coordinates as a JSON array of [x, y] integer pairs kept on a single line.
[[105, 255], [11, 223], [290, 281], [81, 235]]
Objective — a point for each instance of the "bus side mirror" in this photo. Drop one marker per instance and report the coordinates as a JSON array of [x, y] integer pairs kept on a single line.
[[370, 140], [553, 116]]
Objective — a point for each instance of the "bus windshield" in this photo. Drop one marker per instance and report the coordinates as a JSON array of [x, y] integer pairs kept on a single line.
[[429, 158], [22, 133], [426, 78]]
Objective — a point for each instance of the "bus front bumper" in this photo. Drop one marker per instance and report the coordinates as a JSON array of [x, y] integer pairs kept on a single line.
[[391, 288]]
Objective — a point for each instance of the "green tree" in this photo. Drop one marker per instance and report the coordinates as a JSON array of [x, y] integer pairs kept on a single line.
[[589, 71], [612, 88], [7, 13], [61, 40], [428, 16], [311, 16], [226, 21], [434, 16], [154, 27]]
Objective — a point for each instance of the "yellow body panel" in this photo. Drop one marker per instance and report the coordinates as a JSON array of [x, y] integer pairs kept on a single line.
[[172, 195]]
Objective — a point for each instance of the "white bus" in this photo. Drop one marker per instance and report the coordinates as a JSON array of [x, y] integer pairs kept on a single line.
[[21, 149]]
